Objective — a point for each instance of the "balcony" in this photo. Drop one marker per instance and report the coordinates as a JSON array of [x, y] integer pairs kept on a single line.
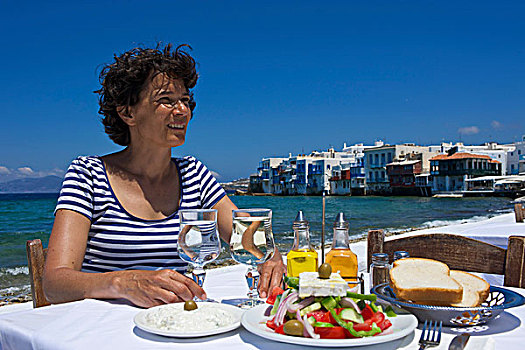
[[471, 172], [376, 165]]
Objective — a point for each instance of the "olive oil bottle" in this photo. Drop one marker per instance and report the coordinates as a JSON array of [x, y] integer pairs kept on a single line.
[[302, 257], [340, 257]]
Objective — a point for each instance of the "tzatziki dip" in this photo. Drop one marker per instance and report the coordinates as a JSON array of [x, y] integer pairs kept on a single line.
[[174, 318]]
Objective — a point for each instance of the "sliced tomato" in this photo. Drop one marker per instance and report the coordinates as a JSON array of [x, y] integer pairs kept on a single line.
[[320, 316], [338, 310], [331, 332], [378, 317], [271, 324], [385, 324], [280, 329], [367, 312], [275, 292], [363, 326]]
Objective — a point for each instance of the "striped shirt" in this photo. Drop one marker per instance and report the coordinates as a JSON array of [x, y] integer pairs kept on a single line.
[[117, 240]]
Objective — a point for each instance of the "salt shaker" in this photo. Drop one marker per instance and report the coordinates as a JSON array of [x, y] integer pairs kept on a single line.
[[379, 269], [400, 254]]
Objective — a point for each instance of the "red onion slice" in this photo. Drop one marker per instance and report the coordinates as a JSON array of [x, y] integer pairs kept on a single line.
[[308, 329], [300, 305], [349, 302], [283, 307]]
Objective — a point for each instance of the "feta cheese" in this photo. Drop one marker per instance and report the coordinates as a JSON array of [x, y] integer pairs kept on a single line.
[[311, 285], [172, 317]]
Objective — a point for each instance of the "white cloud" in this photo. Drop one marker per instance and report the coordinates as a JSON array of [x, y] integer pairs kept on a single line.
[[468, 130], [495, 124], [26, 171], [4, 170]]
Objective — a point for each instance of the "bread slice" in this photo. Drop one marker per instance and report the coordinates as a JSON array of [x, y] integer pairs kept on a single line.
[[424, 281], [475, 289]]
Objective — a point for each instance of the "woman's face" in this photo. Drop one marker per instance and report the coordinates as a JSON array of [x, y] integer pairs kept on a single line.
[[162, 114]]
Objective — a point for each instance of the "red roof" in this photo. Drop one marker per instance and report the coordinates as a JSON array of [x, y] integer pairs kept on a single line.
[[460, 155]]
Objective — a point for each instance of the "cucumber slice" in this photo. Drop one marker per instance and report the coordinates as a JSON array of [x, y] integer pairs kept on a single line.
[[351, 315]]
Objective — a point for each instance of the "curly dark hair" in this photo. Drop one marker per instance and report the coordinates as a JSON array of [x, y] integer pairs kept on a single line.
[[123, 80]]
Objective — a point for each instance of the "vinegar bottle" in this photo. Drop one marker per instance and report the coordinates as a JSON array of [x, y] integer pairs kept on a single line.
[[302, 257], [340, 257]]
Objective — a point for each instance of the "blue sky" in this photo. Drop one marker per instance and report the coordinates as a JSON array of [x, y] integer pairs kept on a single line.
[[276, 76]]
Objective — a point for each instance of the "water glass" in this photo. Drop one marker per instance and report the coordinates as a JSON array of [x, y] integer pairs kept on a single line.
[[198, 242], [252, 244]]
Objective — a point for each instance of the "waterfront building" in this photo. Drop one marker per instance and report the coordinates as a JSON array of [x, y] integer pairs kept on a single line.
[[377, 158], [450, 171], [516, 158], [268, 172], [507, 185], [340, 180], [349, 177], [357, 177], [319, 174], [402, 175]]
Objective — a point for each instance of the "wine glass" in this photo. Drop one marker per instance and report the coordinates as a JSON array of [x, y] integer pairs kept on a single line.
[[198, 242], [252, 244]]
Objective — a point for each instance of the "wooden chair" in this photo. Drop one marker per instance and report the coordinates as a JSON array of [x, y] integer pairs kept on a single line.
[[519, 212], [459, 253], [36, 257]]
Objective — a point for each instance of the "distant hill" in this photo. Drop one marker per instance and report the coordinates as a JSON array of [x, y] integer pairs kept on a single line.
[[47, 184], [236, 185], [52, 184]]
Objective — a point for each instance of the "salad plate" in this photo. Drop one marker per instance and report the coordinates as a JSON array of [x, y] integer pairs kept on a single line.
[[143, 320], [255, 322]]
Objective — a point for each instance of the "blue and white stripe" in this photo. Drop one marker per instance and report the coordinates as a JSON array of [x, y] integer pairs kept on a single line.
[[118, 240]]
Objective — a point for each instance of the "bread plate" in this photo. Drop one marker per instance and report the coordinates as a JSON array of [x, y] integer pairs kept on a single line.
[[498, 300]]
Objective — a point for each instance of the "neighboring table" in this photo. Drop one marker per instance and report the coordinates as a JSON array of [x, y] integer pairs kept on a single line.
[[97, 325]]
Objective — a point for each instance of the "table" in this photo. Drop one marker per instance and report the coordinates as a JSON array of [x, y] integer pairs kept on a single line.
[[101, 324]]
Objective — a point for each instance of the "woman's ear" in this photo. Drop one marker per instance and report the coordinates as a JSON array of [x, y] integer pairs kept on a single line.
[[125, 115]]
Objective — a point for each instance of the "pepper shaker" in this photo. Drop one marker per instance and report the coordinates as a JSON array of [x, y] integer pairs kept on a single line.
[[379, 269]]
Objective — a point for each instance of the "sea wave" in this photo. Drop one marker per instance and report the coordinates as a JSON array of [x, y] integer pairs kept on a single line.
[[9, 291], [441, 223], [13, 271]]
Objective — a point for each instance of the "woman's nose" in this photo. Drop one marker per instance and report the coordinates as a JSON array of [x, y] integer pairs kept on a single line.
[[181, 108]]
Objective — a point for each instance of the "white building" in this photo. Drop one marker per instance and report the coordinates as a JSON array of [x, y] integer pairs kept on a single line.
[[268, 171], [516, 158], [377, 158]]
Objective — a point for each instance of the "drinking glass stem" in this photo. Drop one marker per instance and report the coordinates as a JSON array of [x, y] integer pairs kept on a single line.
[[198, 275], [252, 277]]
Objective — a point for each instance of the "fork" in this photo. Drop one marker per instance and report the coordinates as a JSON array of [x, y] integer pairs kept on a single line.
[[430, 336]]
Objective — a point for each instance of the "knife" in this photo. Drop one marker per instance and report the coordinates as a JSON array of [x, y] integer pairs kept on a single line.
[[459, 342]]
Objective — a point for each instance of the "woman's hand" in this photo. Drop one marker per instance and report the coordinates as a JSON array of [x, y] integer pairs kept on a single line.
[[152, 288], [271, 274]]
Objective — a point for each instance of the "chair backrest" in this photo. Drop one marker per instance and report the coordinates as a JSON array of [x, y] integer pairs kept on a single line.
[[459, 253], [36, 257], [519, 212]]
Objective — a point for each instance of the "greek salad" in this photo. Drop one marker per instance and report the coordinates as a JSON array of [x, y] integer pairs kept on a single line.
[[330, 317]]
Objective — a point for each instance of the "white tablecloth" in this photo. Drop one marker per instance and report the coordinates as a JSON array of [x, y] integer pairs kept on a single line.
[[99, 324]]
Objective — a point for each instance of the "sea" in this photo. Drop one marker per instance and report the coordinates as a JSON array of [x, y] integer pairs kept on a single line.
[[30, 216]]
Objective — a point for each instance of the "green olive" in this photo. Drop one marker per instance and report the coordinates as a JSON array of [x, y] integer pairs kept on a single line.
[[190, 305], [325, 270], [293, 327]]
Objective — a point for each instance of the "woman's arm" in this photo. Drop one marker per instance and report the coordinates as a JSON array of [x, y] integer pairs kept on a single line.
[[271, 271], [63, 281]]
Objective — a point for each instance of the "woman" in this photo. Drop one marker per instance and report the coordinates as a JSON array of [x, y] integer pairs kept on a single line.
[[116, 220]]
